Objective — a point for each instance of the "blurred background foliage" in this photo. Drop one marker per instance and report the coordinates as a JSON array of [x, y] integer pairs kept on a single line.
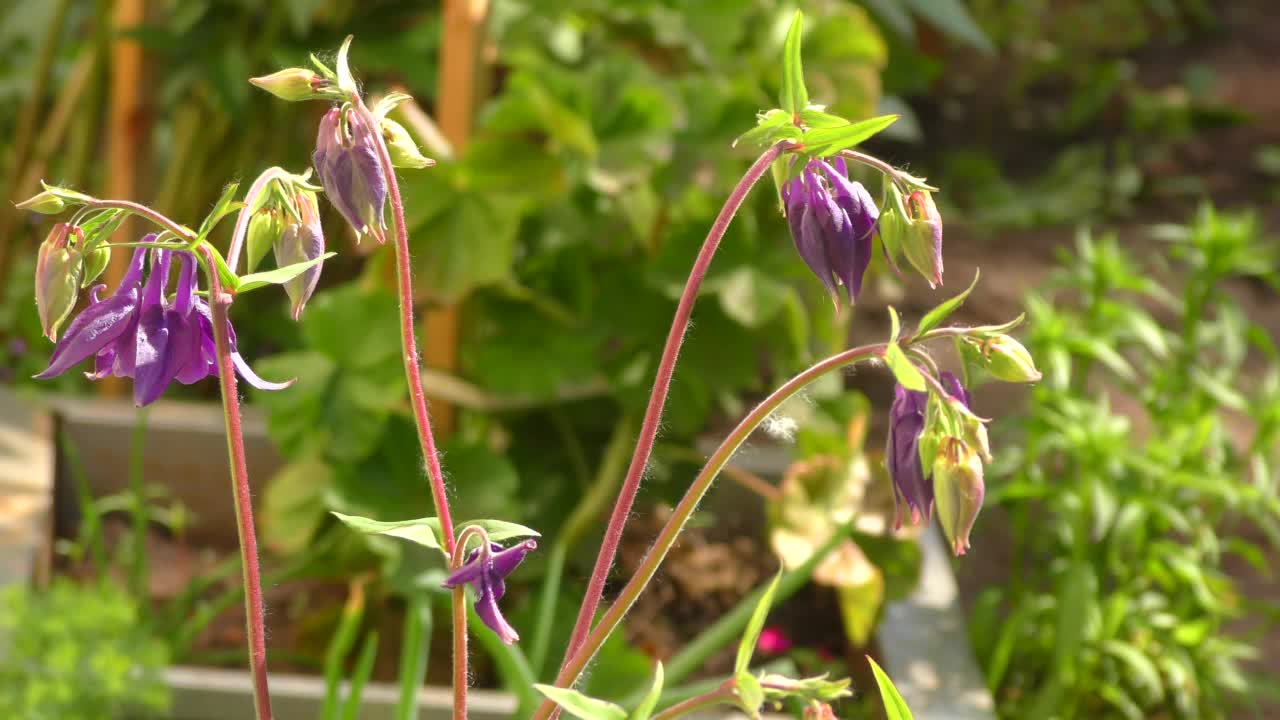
[[561, 233]]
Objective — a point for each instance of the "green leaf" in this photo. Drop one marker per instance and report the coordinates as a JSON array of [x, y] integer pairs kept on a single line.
[[497, 530], [423, 531], [650, 701], [773, 126], [895, 708], [752, 298], [829, 141], [793, 96], [895, 325], [818, 120], [278, 276], [904, 371], [293, 505], [221, 209], [1142, 673], [751, 635], [936, 316], [750, 693], [952, 18], [581, 706]]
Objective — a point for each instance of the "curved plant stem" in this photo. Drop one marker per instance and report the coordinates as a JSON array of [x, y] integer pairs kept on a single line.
[[143, 211], [219, 304], [246, 213], [721, 695], [418, 399], [658, 398], [612, 617]]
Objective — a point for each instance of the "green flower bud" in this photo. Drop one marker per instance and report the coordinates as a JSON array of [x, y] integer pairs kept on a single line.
[[95, 263], [293, 84], [1006, 359], [404, 151], [958, 490], [59, 268], [45, 203], [922, 238], [265, 228]]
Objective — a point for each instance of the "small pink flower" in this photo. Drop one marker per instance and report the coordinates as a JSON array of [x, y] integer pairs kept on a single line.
[[773, 641]]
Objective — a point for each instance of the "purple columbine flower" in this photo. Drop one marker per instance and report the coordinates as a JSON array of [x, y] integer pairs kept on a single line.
[[486, 570], [832, 220], [346, 160], [912, 490], [139, 333], [300, 242], [902, 455]]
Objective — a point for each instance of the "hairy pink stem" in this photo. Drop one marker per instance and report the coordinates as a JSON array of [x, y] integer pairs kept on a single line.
[[219, 303], [418, 400], [648, 567], [658, 398]]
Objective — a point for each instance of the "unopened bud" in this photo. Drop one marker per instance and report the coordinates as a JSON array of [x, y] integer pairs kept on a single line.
[[95, 263], [300, 242], [958, 490], [265, 228], [59, 268], [819, 711], [45, 203], [293, 84], [1006, 359], [922, 237], [400, 145]]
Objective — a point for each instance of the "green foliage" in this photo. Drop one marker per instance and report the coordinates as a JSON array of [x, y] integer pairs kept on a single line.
[[1151, 438], [895, 708], [78, 653]]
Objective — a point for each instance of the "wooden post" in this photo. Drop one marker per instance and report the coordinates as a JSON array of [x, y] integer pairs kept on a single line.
[[125, 136], [460, 62]]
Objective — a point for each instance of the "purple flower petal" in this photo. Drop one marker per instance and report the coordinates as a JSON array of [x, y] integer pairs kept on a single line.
[[93, 329], [487, 608], [252, 378]]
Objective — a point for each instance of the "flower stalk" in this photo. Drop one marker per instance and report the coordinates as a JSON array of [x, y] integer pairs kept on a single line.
[[418, 401], [219, 304], [577, 662], [657, 400]]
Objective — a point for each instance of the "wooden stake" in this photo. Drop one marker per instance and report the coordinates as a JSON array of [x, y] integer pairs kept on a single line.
[[125, 134], [463, 38]]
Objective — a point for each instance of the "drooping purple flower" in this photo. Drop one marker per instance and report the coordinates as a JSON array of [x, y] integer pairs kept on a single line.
[[911, 490], [347, 163], [486, 570], [832, 220], [140, 333], [300, 242]]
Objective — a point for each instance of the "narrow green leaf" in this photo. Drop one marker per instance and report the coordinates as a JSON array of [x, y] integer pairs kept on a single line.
[[278, 276], [818, 120], [829, 141], [793, 95], [229, 280], [750, 693], [421, 531], [895, 325], [773, 126], [904, 371], [936, 316], [497, 530], [650, 701], [360, 677], [895, 708], [756, 624], [226, 204], [344, 638], [581, 706], [1142, 673], [345, 80]]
